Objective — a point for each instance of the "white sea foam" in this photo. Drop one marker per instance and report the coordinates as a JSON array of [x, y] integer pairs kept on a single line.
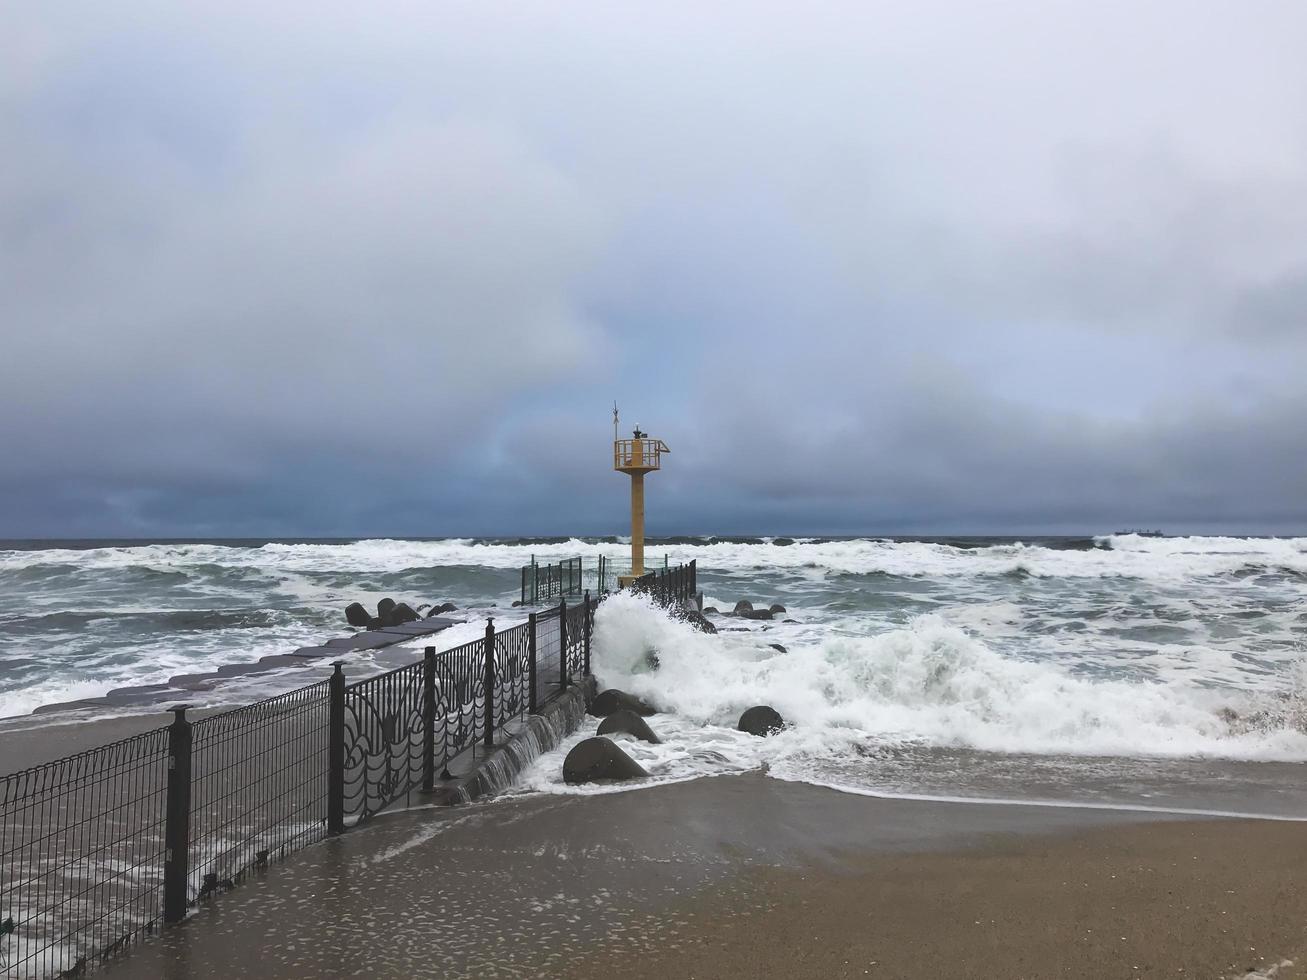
[[927, 683], [1127, 556], [1132, 649]]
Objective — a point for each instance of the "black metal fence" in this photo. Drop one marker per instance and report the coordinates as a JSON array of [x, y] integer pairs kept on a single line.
[[543, 583], [670, 586], [401, 729], [81, 856], [100, 849], [257, 781]]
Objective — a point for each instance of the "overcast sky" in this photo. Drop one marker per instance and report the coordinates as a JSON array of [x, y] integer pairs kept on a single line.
[[302, 268]]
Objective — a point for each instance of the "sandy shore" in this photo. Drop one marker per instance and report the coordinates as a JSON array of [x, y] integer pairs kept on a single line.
[[752, 877], [33, 740], [1189, 900]]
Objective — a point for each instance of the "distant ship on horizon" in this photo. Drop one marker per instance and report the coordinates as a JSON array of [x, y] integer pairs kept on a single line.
[[1142, 533]]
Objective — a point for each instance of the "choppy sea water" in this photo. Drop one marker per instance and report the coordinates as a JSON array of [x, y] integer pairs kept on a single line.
[[1152, 672]]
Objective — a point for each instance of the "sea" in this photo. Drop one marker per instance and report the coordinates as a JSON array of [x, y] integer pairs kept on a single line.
[[1122, 671]]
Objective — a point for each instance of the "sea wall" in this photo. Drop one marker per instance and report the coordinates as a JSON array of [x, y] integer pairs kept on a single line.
[[477, 774]]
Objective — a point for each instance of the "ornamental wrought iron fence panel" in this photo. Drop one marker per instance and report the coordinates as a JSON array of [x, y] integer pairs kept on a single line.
[[461, 699], [512, 686], [384, 740], [400, 730], [104, 847], [576, 640], [81, 856]]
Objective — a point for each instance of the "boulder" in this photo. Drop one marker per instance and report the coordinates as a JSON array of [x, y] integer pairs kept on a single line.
[[356, 615], [612, 701], [761, 720], [627, 722], [386, 612], [599, 759], [777, 608], [757, 614], [404, 613], [743, 606], [711, 611], [700, 622], [443, 608], [778, 648]]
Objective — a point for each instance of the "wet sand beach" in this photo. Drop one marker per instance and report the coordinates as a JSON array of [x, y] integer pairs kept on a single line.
[[746, 876], [33, 740]]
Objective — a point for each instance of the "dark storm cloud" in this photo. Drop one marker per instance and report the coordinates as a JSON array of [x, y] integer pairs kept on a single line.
[[289, 269]]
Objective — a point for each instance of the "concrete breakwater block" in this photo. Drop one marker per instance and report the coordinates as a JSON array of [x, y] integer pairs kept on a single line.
[[700, 622], [598, 759], [744, 609], [401, 614], [84, 705], [761, 720], [391, 614], [242, 670], [612, 700], [308, 653], [194, 682], [362, 641], [138, 689], [423, 627], [627, 722]]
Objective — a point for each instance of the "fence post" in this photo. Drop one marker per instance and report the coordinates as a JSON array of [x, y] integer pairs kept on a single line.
[[490, 683], [336, 750], [589, 628], [694, 576], [531, 660], [177, 819], [428, 719], [562, 644]]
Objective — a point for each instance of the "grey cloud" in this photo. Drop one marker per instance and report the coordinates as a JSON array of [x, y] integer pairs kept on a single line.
[[320, 270]]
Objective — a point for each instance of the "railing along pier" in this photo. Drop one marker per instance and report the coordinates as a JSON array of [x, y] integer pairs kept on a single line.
[[101, 849]]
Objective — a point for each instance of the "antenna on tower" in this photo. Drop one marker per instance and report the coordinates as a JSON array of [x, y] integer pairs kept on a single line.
[[614, 421]]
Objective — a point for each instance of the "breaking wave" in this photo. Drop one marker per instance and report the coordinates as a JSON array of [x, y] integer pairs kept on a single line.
[[935, 684]]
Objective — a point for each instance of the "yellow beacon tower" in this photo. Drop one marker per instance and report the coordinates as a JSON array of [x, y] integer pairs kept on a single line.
[[636, 457]]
